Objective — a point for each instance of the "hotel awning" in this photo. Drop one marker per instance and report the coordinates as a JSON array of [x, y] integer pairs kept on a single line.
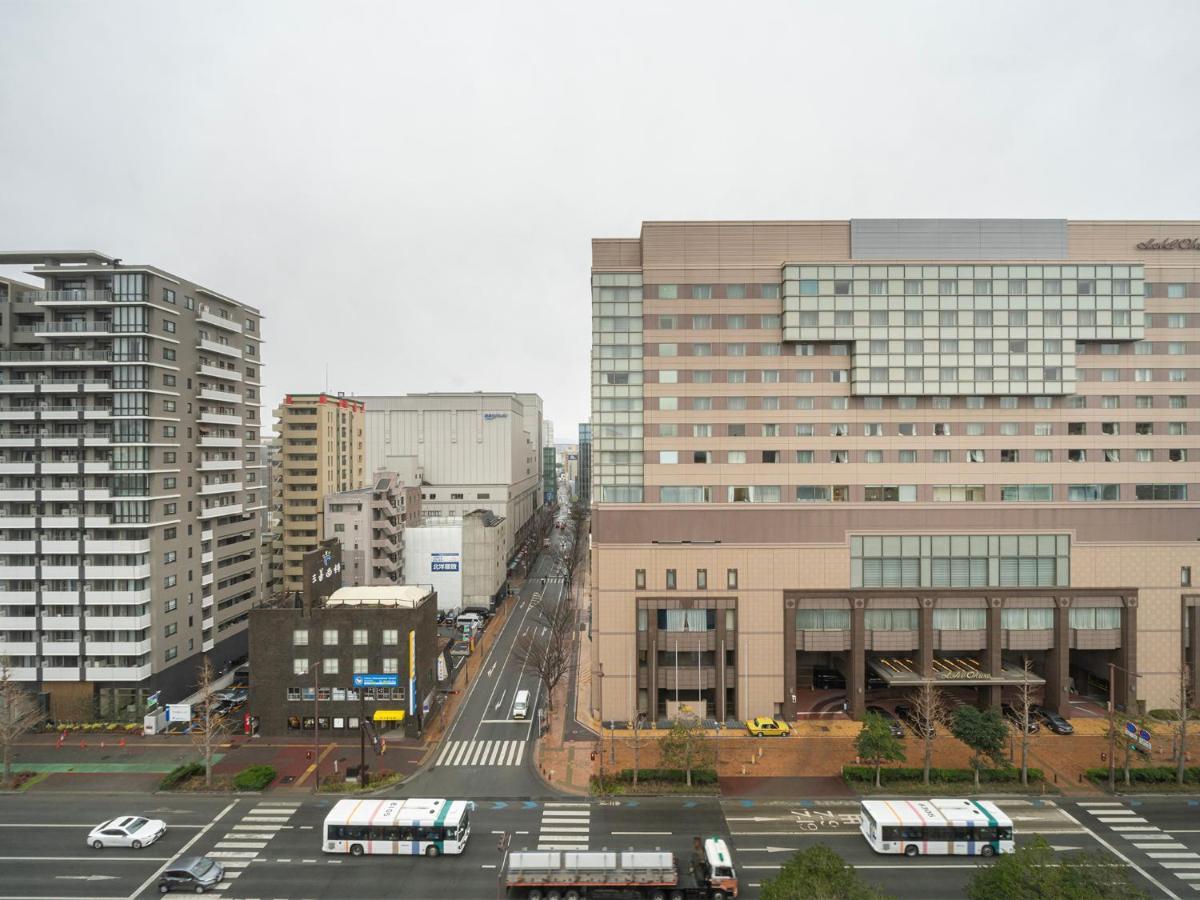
[[388, 715], [956, 671]]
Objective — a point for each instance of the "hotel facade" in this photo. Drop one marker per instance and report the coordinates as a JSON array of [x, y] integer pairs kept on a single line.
[[875, 452]]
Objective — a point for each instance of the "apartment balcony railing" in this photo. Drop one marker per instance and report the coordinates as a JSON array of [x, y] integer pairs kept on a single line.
[[219, 322], [39, 356], [69, 296]]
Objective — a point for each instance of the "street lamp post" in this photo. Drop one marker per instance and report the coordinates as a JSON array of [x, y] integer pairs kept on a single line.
[[1113, 668], [315, 668]]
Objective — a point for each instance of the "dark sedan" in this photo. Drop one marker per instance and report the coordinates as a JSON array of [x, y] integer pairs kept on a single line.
[[1053, 720], [893, 725], [1014, 716]]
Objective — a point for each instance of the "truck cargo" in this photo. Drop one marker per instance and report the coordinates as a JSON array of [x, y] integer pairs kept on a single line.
[[650, 874]]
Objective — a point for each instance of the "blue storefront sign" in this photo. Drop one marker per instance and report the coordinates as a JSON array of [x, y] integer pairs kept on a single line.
[[365, 681]]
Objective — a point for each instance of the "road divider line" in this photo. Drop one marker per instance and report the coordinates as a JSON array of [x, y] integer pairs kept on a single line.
[[184, 849]]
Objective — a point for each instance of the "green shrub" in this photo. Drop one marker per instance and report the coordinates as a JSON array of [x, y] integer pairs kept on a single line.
[[1172, 715], [1146, 774], [891, 775], [253, 778], [180, 774]]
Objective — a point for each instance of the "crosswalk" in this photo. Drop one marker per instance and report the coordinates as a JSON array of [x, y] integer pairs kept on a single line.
[[245, 839], [564, 826], [1161, 848], [481, 753]]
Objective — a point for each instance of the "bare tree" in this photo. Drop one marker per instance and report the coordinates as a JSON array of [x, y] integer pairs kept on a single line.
[[686, 745], [212, 725], [1184, 698], [19, 713], [929, 713], [575, 550], [546, 647], [1025, 698]]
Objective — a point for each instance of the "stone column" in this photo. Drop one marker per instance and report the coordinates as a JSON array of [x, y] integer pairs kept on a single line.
[[925, 639], [789, 664], [1125, 689], [993, 655], [1058, 660], [856, 681]]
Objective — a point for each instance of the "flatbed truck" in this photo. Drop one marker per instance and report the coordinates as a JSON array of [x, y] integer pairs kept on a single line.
[[643, 874]]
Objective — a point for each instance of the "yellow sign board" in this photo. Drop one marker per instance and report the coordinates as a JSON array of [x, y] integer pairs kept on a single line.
[[389, 715]]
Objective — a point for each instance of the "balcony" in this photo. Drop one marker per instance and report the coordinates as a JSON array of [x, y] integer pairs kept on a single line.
[[207, 645], [209, 418], [115, 673], [227, 442], [60, 648], [212, 512], [58, 572], [23, 573], [67, 298], [207, 393], [18, 623], [18, 648], [219, 465], [59, 623], [64, 673], [118, 648], [17, 495], [60, 598], [214, 372], [206, 624], [216, 347], [92, 546], [117, 598], [223, 487], [97, 573], [17, 546], [49, 357], [217, 321], [91, 328], [116, 623]]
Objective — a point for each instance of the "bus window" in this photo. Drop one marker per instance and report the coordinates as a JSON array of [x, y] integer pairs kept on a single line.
[[913, 833], [891, 833], [1004, 834]]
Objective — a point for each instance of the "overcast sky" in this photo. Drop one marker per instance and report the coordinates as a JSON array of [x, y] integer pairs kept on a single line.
[[408, 190]]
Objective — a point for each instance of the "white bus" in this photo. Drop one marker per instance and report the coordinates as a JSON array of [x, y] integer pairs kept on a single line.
[[919, 827], [406, 827]]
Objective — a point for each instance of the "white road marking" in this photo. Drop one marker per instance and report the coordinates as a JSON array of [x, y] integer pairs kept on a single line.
[[240, 845], [646, 833], [1110, 821], [1121, 856], [183, 850], [1169, 845], [231, 854], [520, 753], [1174, 856]]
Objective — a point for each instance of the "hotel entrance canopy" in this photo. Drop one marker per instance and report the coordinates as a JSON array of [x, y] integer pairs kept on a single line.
[[949, 671]]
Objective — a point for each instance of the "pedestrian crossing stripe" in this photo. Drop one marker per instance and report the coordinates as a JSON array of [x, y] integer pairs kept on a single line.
[[481, 753]]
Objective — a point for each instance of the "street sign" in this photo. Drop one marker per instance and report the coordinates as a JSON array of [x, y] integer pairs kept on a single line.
[[361, 681], [1144, 739], [1131, 729], [179, 712]]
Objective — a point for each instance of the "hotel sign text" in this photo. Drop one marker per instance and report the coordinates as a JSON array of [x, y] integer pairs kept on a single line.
[[1171, 244]]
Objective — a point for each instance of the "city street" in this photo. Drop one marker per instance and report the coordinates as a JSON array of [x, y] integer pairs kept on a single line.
[[487, 752], [271, 848]]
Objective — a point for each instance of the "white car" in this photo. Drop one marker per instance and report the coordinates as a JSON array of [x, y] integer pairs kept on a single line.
[[127, 831]]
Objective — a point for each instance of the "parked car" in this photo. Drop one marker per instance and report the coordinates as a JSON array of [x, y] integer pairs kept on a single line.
[[893, 724], [127, 831], [767, 726], [909, 716], [1054, 722], [829, 680], [1014, 716], [191, 873]]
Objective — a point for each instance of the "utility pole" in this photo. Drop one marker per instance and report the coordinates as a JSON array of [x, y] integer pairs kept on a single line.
[[315, 668], [362, 737]]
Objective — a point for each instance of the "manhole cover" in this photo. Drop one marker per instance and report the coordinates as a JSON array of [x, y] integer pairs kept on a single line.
[[287, 779]]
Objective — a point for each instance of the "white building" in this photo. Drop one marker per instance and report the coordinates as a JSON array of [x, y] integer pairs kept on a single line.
[[474, 451], [548, 433]]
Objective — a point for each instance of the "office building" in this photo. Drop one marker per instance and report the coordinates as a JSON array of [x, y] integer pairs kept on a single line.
[[313, 651], [463, 561], [547, 433], [470, 451], [370, 524], [134, 487], [583, 488], [322, 452], [549, 481], [890, 450]]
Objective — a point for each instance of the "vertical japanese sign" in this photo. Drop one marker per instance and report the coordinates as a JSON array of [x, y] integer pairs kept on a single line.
[[412, 671]]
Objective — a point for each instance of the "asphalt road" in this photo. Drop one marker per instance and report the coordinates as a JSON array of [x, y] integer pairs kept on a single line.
[[272, 847], [487, 752]]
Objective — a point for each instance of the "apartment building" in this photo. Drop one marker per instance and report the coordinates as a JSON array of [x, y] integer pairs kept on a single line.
[[370, 523], [321, 452], [471, 451], [134, 488], [884, 451]]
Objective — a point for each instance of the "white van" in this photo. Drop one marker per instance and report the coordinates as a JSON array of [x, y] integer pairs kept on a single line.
[[521, 705], [472, 620]]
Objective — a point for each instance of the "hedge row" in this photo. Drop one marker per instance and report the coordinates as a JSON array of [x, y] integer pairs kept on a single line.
[[891, 775], [1147, 774], [669, 776], [1172, 715], [180, 774], [254, 778]]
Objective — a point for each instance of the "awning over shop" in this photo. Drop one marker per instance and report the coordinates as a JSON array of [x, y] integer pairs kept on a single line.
[[388, 715], [958, 671]]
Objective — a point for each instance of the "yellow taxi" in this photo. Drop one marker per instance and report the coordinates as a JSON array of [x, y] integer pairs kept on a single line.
[[765, 726]]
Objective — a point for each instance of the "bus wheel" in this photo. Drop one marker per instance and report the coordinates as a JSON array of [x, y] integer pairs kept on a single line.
[[658, 895], [535, 894], [718, 895], [432, 850], [356, 850], [986, 850], [911, 850]]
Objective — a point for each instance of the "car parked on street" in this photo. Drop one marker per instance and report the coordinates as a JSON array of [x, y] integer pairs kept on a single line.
[[126, 831], [893, 725], [196, 874], [1054, 722], [767, 726]]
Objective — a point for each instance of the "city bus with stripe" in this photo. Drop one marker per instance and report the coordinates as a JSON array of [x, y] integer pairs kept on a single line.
[[939, 827], [407, 827]]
